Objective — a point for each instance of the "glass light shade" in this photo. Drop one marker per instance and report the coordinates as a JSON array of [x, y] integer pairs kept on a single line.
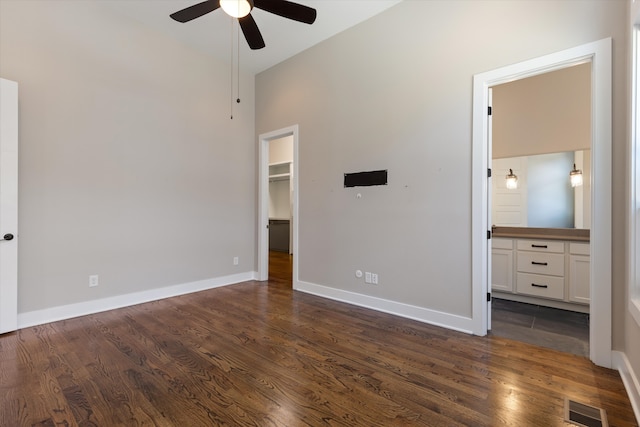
[[575, 176], [512, 180], [237, 8]]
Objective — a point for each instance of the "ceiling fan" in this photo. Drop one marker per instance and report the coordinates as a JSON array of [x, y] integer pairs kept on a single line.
[[241, 9]]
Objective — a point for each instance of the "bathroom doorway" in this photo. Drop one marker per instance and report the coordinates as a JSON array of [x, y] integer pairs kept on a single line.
[[536, 145], [598, 53]]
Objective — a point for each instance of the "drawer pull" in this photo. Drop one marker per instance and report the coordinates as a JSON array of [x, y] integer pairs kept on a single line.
[[539, 246], [539, 263], [535, 285]]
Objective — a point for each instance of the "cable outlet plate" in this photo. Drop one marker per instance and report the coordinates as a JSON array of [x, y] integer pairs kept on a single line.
[[93, 281]]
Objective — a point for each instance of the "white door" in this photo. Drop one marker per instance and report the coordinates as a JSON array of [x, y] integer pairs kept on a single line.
[[8, 205], [489, 204]]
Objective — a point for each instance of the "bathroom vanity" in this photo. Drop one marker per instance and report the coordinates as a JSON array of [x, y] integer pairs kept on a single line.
[[544, 266]]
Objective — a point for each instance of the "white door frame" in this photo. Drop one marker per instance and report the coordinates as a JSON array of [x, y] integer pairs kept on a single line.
[[263, 201], [8, 205], [598, 53], [489, 200]]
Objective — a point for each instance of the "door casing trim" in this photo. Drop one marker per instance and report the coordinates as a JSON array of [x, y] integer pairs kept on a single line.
[[263, 200], [599, 54]]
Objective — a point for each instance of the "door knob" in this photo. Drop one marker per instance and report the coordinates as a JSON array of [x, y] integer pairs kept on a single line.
[[7, 236]]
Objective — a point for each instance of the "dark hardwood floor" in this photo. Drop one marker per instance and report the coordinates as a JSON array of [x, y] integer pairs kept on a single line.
[[280, 268], [260, 354]]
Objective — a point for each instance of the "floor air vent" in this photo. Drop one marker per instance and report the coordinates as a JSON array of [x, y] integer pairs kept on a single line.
[[584, 415]]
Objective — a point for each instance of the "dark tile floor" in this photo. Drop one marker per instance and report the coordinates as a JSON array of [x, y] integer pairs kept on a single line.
[[561, 330]]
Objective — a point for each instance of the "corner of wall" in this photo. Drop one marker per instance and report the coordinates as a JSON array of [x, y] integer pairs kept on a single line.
[[629, 379]]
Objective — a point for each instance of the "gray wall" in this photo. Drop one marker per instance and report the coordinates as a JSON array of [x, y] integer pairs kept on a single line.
[[547, 113], [395, 93], [130, 167]]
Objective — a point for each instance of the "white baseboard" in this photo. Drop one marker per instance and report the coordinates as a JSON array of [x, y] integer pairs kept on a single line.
[[63, 312], [433, 317], [630, 380]]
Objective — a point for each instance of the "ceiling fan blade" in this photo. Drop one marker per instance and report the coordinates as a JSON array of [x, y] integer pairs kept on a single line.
[[251, 32], [288, 9], [195, 11]]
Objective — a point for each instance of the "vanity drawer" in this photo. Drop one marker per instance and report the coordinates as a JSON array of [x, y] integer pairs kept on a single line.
[[579, 248], [540, 286], [541, 263], [499, 243], [541, 246]]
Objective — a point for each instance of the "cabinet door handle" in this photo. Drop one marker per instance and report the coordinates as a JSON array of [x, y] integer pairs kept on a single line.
[[539, 246], [535, 285], [539, 263]]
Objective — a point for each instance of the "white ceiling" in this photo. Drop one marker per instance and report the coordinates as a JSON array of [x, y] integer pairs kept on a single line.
[[283, 37]]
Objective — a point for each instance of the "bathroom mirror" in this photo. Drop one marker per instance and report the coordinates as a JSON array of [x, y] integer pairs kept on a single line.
[[544, 196]]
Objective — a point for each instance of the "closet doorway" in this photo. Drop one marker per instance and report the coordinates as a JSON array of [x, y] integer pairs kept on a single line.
[[278, 207], [280, 210]]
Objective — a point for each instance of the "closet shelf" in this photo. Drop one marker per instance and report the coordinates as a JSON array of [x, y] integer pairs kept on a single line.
[[279, 177]]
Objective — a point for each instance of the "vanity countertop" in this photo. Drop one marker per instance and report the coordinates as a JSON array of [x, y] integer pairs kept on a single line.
[[574, 234]]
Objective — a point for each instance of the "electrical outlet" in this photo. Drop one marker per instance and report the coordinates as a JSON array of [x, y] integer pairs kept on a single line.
[[374, 278], [93, 281], [236, 260], [367, 277]]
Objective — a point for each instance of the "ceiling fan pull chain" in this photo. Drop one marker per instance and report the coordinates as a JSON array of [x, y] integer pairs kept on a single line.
[[231, 74], [238, 77]]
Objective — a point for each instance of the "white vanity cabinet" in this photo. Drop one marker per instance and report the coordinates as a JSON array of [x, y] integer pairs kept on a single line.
[[502, 265], [579, 277], [544, 272], [540, 268]]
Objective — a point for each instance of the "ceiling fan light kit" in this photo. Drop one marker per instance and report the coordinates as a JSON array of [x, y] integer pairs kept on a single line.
[[241, 10], [237, 8]]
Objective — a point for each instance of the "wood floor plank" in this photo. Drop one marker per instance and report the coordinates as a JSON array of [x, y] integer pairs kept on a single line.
[[261, 354]]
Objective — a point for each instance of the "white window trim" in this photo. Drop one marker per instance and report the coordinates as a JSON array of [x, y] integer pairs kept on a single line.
[[634, 167]]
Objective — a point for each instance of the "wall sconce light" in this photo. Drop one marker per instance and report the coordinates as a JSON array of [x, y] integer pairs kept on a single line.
[[512, 180], [575, 176]]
